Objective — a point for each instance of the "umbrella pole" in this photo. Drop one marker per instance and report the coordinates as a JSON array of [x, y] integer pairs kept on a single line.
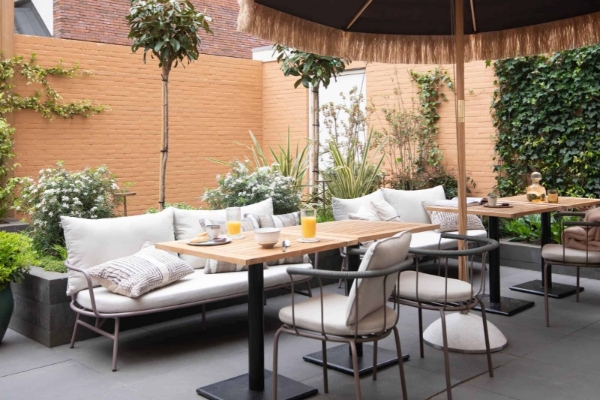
[[459, 59]]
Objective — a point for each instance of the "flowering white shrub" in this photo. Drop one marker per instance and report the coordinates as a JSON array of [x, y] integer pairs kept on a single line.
[[242, 187], [85, 194]]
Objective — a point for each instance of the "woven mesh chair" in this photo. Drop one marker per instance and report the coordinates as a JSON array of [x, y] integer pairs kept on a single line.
[[558, 254], [363, 316]]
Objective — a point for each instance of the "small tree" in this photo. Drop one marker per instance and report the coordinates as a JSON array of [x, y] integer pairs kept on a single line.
[[313, 71], [169, 29]]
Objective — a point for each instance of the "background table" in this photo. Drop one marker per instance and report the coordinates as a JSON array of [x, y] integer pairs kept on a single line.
[[494, 302], [247, 252], [357, 231], [556, 290]]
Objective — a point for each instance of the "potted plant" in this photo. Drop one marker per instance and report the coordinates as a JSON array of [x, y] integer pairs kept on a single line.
[[16, 257]]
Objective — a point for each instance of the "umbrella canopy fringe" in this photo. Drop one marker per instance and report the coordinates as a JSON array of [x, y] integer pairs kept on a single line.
[[279, 27]]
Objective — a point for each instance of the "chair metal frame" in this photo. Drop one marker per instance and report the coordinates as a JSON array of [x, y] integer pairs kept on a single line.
[[102, 317], [351, 340], [549, 263], [485, 245]]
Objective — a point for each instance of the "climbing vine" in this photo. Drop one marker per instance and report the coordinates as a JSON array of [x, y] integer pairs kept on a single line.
[[46, 101], [546, 110]]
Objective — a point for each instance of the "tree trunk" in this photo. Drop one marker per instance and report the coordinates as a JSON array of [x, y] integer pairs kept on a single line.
[[317, 140], [164, 152]]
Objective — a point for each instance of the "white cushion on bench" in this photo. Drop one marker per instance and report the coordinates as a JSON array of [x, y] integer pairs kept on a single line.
[[193, 288], [430, 240], [408, 203], [343, 207], [187, 224]]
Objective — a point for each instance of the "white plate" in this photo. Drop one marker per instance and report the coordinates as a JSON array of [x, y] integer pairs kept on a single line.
[[210, 243]]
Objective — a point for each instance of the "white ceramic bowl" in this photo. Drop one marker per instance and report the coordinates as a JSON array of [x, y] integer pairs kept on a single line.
[[267, 237]]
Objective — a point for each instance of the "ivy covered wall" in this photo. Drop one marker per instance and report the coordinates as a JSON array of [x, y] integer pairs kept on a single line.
[[546, 110]]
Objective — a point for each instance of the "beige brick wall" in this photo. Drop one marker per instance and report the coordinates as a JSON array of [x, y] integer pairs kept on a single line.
[[213, 103]]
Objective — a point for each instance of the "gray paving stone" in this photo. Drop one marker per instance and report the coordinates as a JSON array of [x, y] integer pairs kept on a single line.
[[467, 392], [19, 354], [574, 353]]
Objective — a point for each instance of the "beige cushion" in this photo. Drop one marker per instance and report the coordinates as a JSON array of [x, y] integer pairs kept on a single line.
[[430, 240], [385, 211], [432, 288], [371, 292], [364, 214], [408, 202], [91, 242], [187, 224], [343, 207], [146, 270], [448, 221], [276, 221], [554, 252], [308, 316], [195, 287]]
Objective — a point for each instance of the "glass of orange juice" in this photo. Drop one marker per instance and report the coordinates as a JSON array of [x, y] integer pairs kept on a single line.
[[308, 220], [234, 222]]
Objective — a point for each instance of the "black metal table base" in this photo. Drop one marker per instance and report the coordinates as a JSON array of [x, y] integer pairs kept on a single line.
[[556, 290], [339, 359], [507, 306], [237, 389]]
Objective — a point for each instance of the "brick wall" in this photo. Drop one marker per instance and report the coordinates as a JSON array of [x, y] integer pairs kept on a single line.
[[213, 103], [104, 22]]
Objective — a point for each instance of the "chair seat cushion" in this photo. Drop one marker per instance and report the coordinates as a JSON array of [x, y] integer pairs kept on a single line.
[[308, 316], [432, 288], [430, 240], [193, 288], [554, 252]]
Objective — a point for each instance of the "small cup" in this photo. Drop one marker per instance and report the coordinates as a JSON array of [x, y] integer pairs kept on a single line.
[[213, 231], [552, 196], [492, 200]]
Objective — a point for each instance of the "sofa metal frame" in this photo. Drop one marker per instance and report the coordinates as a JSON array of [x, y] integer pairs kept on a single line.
[[102, 317], [351, 340]]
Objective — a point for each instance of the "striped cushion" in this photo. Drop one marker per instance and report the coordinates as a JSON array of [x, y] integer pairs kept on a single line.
[[276, 221], [448, 221], [146, 270]]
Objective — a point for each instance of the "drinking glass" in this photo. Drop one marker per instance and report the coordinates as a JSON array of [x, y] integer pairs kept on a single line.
[[552, 196], [308, 220], [234, 222]]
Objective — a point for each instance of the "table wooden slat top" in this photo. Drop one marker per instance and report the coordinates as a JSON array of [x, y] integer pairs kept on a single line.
[[563, 202], [518, 209], [247, 252], [363, 231]]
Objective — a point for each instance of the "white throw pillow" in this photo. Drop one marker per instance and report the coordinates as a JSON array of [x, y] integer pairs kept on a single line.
[[364, 214], [343, 207], [385, 211], [408, 202], [146, 270], [95, 241], [187, 224], [448, 221]]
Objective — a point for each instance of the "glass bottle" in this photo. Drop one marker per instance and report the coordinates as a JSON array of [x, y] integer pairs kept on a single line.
[[536, 193]]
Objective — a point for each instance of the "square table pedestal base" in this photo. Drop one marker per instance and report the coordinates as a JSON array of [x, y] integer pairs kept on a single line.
[[237, 389], [339, 359], [556, 291], [506, 307]]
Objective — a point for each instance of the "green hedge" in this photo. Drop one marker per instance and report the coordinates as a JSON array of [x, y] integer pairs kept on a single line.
[[547, 113]]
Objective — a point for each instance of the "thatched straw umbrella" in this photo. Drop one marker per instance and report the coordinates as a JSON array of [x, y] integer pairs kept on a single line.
[[427, 32]]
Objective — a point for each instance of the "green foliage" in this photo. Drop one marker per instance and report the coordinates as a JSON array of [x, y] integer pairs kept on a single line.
[[243, 186], [355, 173], [52, 264], [169, 29], [181, 206], [16, 257], [546, 110], [528, 229], [85, 194], [46, 101], [311, 69]]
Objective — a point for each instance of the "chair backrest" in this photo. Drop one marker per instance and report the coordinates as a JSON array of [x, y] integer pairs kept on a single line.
[[368, 294]]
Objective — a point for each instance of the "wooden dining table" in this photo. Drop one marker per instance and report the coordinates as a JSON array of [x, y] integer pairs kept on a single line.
[[257, 383]]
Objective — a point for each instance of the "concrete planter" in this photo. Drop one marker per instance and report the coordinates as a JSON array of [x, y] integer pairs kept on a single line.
[[42, 311], [12, 225]]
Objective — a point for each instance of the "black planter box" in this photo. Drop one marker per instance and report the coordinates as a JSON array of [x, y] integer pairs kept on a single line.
[[12, 225]]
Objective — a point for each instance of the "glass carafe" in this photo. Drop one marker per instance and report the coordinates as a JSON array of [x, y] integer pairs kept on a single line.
[[536, 193]]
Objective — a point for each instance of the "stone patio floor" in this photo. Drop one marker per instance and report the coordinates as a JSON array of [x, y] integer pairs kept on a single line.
[[170, 360]]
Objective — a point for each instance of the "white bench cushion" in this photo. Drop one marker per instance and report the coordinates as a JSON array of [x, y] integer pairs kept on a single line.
[[432, 288], [193, 288], [91, 242], [308, 316], [430, 240], [187, 224], [408, 203], [343, 207]]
